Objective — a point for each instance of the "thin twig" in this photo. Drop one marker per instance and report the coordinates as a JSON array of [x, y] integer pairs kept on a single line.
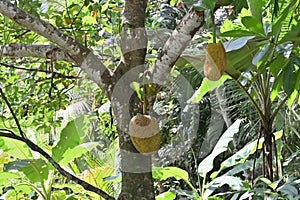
[[38, 149], [12, 113], [57, 75]]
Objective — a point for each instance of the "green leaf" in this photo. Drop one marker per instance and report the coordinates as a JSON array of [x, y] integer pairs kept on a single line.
[[69, 138], [58, 195], [89, 20], [136, 87], [258, 57], [234, 183], [162, 173], [241, 59], [166, 196], [9, 175], [237, 33], [207, 164], [256, 8], [289, 79], [36, 170], [276, 27], [276, 87], [236, 43], [253, 24], [76, 152], [278, 64], [292, 36], [206, 86], [16, 165], [16, 149]]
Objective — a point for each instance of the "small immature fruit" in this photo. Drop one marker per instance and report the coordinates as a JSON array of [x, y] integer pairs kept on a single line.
[[215, 61], [145, 134]]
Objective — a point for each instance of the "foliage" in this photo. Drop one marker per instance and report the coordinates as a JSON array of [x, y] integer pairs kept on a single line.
[[70, 118]]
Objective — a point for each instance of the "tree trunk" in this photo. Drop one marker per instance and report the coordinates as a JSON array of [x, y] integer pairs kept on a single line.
[[136, 168]]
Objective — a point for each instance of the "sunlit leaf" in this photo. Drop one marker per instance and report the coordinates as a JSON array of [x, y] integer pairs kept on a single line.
[[77, 151], [162, 173], [253, 24], [36, 170], [206, 86], [222, 145], [166, 196]]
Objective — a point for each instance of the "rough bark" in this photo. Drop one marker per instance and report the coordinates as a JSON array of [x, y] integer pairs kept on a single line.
[[176, 44], [136, 169]]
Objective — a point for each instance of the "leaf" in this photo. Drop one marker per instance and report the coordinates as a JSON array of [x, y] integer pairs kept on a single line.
[[166, 196], [58, 195], [253, 24], [237, 33], [206, 86], [236, 43], [276, 27], [77, 151], [258, 57], [96, 176], [163, 173], [9, 175], [234, 183], [256, 8], [69, 138], [16, 165], [207, 164], [278, 64], [16, 149], [36, 170], [136, 87], [89, 20], [289, 79], [292, 36]]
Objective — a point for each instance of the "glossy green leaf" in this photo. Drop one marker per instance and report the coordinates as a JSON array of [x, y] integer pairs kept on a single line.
[[166, 196], [36, 170], [237, 33], [289, 79], [162, 173], [278, 64], [277, 87], [236, 43], [136, 87], [258, 57], [253, 24], [206, 86], [222, 145]]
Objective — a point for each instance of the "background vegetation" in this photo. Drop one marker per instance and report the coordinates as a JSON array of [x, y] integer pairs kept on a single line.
[[57, 124]]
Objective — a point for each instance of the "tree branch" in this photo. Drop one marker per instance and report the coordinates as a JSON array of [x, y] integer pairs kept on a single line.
[[12, 113], [176, 44], [38, 51], [56, 74], [82, 56], [36, 148]]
